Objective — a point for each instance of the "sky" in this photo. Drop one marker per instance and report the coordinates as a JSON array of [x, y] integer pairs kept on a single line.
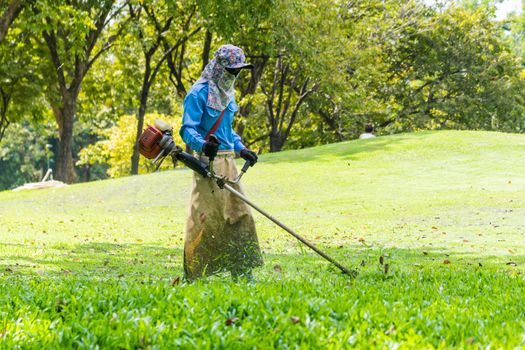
[[503, 8], [507, 7]]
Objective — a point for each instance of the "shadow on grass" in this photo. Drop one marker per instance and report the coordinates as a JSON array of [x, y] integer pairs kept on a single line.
[[94, 260]]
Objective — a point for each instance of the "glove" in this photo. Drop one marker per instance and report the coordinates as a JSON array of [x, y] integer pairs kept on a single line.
[[211, 147], [249, 155]]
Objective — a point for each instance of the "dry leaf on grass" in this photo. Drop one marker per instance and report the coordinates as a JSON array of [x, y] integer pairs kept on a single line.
[[231, 320]]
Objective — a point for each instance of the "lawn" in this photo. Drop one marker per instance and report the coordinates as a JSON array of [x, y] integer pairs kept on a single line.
[[433, 221]]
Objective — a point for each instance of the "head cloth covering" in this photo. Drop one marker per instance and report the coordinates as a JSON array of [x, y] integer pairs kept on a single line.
[[220, 82]]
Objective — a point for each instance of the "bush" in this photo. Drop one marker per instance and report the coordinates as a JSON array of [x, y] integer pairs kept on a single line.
[[117, 147]]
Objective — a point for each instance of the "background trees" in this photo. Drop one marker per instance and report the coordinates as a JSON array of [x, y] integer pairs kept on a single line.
[[323, 70]]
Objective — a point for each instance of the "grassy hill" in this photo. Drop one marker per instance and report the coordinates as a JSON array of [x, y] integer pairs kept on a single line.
[[97, 263]]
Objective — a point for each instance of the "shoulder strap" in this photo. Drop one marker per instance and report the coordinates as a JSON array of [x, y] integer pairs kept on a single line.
[[215, 126]]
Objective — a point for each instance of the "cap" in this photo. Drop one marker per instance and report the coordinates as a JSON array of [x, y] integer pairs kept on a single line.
[[231, 56]]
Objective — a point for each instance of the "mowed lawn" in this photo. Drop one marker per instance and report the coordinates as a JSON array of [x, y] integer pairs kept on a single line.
[[434, 222]]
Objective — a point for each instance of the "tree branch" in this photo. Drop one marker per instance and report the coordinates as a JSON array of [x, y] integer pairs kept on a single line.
[[291, 89], [108, 44], [13, 10], [51, 41], [282, 83], [304, 95], [262, 137]]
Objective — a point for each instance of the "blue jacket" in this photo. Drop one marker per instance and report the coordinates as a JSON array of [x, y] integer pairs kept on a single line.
[[198, 119]]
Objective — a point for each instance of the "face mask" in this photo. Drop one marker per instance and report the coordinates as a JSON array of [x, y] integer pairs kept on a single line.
[[233, 71]]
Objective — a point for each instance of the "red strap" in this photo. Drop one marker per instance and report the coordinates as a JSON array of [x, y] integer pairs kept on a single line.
[[215, 126]]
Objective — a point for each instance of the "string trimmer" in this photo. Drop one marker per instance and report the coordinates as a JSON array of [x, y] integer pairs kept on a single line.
[[157, 143]]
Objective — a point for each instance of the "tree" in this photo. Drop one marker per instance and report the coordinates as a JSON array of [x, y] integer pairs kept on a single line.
[[72, 32], [21, 82], [453, 69], [248, 27], [25, 153], [284, 97], [299, 68], [152, 24]]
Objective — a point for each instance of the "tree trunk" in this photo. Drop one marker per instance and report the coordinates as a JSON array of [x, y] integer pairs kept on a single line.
[[4, 122], [65, 116], [87, 173], [206, 49], [276, 142], [12, 11], [135, 158], [250, 89], [334, 122]]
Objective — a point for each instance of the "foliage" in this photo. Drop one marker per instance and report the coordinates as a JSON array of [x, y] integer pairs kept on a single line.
[[98, 264], [75, 35], [116, 148], [323, 68], [25, 152], [467, 77], [21, 79], [9, 11]]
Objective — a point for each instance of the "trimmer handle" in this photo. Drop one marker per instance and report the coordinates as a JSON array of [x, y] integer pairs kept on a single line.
[[192, 163], [246, 166], [213, 139]]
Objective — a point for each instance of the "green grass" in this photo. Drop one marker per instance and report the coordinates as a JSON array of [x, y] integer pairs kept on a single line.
[[97, 264]]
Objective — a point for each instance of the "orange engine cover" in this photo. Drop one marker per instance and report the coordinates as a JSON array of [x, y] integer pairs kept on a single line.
[[149, 142]]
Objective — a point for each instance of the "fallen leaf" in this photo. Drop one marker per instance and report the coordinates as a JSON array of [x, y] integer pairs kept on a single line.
[[278, 268], [361, 239], [66, 271], [317, 237], [231, 320], [471, 340], [175, 281], [434, 228], [295, 319], [511, 251], [446, 261]]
